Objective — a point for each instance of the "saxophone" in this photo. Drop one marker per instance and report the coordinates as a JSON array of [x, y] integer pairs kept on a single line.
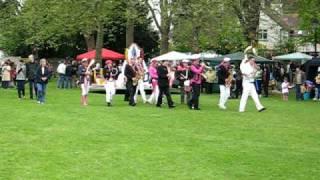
[[138, 76]]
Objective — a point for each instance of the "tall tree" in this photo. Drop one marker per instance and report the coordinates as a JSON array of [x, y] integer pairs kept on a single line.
[[206, 25], [310, 20], [248, 12], [166, 8]]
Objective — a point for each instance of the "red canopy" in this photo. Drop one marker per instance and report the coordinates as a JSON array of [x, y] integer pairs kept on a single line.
[[106, 54]]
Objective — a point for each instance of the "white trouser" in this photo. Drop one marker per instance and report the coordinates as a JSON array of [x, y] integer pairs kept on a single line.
[[140, 87], [84, 89], [154, 96], [224, 94], [249, 89], [110, 87]]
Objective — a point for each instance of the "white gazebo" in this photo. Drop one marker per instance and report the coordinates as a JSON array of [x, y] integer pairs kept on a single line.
[[172, 56]]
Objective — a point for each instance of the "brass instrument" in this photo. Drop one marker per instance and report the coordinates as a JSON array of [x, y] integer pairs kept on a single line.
[[139, 74]]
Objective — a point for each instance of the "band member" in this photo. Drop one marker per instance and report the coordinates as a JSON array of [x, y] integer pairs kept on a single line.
[[131, 84], [184, 75], [98, 75], [163, 81], [248, 69], [197, 71], [154, 82], [84, 81], [224, 82], [140, 70], [110, 74]]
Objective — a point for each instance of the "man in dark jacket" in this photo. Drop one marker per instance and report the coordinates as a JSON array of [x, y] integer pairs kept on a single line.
[[130, 74], [32, 67], [265, 80], [223, 81], [163, 81], [68, 75]]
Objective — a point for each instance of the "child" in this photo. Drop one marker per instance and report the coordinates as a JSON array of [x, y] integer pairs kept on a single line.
[[285, 89]]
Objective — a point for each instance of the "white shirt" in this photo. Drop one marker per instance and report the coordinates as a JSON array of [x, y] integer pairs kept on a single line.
[[285, 87], [248, 70], [42, 70], [61, 68]]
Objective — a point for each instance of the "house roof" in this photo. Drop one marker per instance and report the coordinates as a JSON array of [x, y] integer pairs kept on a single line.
[[288, 22]]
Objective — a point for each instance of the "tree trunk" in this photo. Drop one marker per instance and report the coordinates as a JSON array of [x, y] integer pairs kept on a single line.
[[164, 43], [165, 26], [129, 32], [99, 44], [195, 43], [90, 41], [248, 12]]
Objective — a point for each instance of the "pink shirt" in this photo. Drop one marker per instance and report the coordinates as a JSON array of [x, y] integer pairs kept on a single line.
[[197, 71], [153, 72]]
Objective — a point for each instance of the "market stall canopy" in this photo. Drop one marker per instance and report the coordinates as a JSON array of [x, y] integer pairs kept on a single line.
[[172, 56], [239, 56], [205, 56], [298, 56], [106, 54]]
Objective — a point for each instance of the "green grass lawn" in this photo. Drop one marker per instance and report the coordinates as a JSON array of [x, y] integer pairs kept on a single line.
[[63, 140]]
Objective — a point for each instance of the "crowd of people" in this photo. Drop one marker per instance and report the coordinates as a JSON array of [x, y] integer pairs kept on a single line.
[[191, 77]]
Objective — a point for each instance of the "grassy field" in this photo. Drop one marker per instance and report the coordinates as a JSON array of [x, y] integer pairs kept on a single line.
[[62, 140]]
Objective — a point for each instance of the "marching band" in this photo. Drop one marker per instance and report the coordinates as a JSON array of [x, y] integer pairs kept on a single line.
[[161, 76]]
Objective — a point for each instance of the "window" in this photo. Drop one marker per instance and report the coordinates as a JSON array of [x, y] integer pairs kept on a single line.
[[263, 34]]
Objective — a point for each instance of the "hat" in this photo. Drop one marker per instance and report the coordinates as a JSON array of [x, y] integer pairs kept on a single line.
[[226, 59], [153, 60], [185, 61], [84, 60], [109, 62]]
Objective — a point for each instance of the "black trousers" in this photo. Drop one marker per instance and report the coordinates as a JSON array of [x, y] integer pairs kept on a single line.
[[5, 84], [209, 89], [184, 95], [238, 91], [21, 89], [266, 88], [32, 87], [164, 90], [196, 88], [131, 91]]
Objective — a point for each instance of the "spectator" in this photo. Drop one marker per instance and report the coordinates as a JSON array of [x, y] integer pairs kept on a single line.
[[42, 76], [285, 89], [6, 75], [74, 73], [21, 78], [298, 81], [32, 67], [68, 76], [317, 80], [258, 80], [238, 77], [61, 70], [211, 77], [265, 80]]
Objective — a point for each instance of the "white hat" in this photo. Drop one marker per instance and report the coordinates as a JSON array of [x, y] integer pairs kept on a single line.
[[185, 61], [84, 60], [226, 59]]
